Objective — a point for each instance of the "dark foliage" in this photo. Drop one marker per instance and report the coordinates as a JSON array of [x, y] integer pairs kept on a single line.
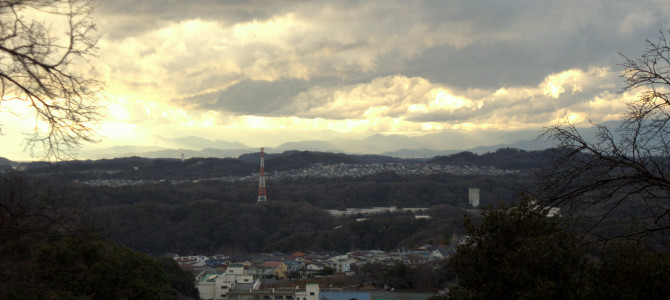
[[303, 159], [205, 217], [503, 158], [517, 252], [180, 280], [32, 212], [293, 159], [48, 251], [92, 267], [212, 227], [135, 168], [399, 276], [627, 271], [208, 226]]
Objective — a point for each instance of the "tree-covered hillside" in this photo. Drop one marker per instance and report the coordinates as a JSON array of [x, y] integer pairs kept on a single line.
[[136, 168], [218, 216], [210, 216]]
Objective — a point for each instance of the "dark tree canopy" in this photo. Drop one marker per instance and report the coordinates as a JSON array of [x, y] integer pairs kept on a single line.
[[516, 252], [622, 173], [85, 267], [627, 271], [47, 251], [31, 212], [43, 47]]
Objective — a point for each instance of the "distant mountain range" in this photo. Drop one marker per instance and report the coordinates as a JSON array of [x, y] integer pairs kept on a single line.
[[6, 164], [400, 146]]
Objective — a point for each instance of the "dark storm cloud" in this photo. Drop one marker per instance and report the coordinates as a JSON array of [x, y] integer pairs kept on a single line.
[[521, 44], [320, 48], [123, 18], [251, 97]]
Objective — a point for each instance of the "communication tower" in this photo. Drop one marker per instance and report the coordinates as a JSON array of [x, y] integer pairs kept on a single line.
[[262, 195]]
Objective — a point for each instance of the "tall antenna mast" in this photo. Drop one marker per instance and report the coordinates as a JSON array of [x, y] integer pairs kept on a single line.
[[262, 195]]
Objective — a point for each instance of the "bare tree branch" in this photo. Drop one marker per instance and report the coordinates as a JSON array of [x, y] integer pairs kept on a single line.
[[41, 68], [624, 173]]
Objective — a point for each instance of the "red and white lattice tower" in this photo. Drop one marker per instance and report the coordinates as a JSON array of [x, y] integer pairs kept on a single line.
[[262, 195]]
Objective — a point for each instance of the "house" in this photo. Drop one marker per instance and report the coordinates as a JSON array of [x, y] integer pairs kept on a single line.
[[313, 268], [191, 259], [237, 269], [342, 263], [442, 253], [278, 268], [241, 259], [384, 258], [293, 266], [416, 257], [428, 247]]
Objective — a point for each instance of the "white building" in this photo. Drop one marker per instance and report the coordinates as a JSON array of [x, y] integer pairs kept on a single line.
[[311, 292], [237, 269], [215, 285], [474, 197]]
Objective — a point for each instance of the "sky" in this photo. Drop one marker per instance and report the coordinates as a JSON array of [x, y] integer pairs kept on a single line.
[[264, 73]]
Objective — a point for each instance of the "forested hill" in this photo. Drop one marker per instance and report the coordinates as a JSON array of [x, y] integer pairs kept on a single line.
[[294, 159], [206, 215], [195, 168], [503, 158]]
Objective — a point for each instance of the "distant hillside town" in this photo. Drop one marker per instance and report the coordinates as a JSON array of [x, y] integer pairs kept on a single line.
[[319, 170]]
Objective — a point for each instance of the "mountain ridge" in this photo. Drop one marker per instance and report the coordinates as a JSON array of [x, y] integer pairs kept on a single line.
[[389, 145], [424, 146]]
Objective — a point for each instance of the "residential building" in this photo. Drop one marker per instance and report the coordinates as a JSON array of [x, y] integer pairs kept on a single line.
[[311, 292], [278, 268], [215, 285]]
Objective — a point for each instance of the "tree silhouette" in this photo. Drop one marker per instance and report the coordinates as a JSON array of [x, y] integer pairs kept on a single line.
[[516, 252], [624, 173], [43, 46]]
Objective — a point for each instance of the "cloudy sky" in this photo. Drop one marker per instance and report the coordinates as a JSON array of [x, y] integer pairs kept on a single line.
[[267, 72]]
